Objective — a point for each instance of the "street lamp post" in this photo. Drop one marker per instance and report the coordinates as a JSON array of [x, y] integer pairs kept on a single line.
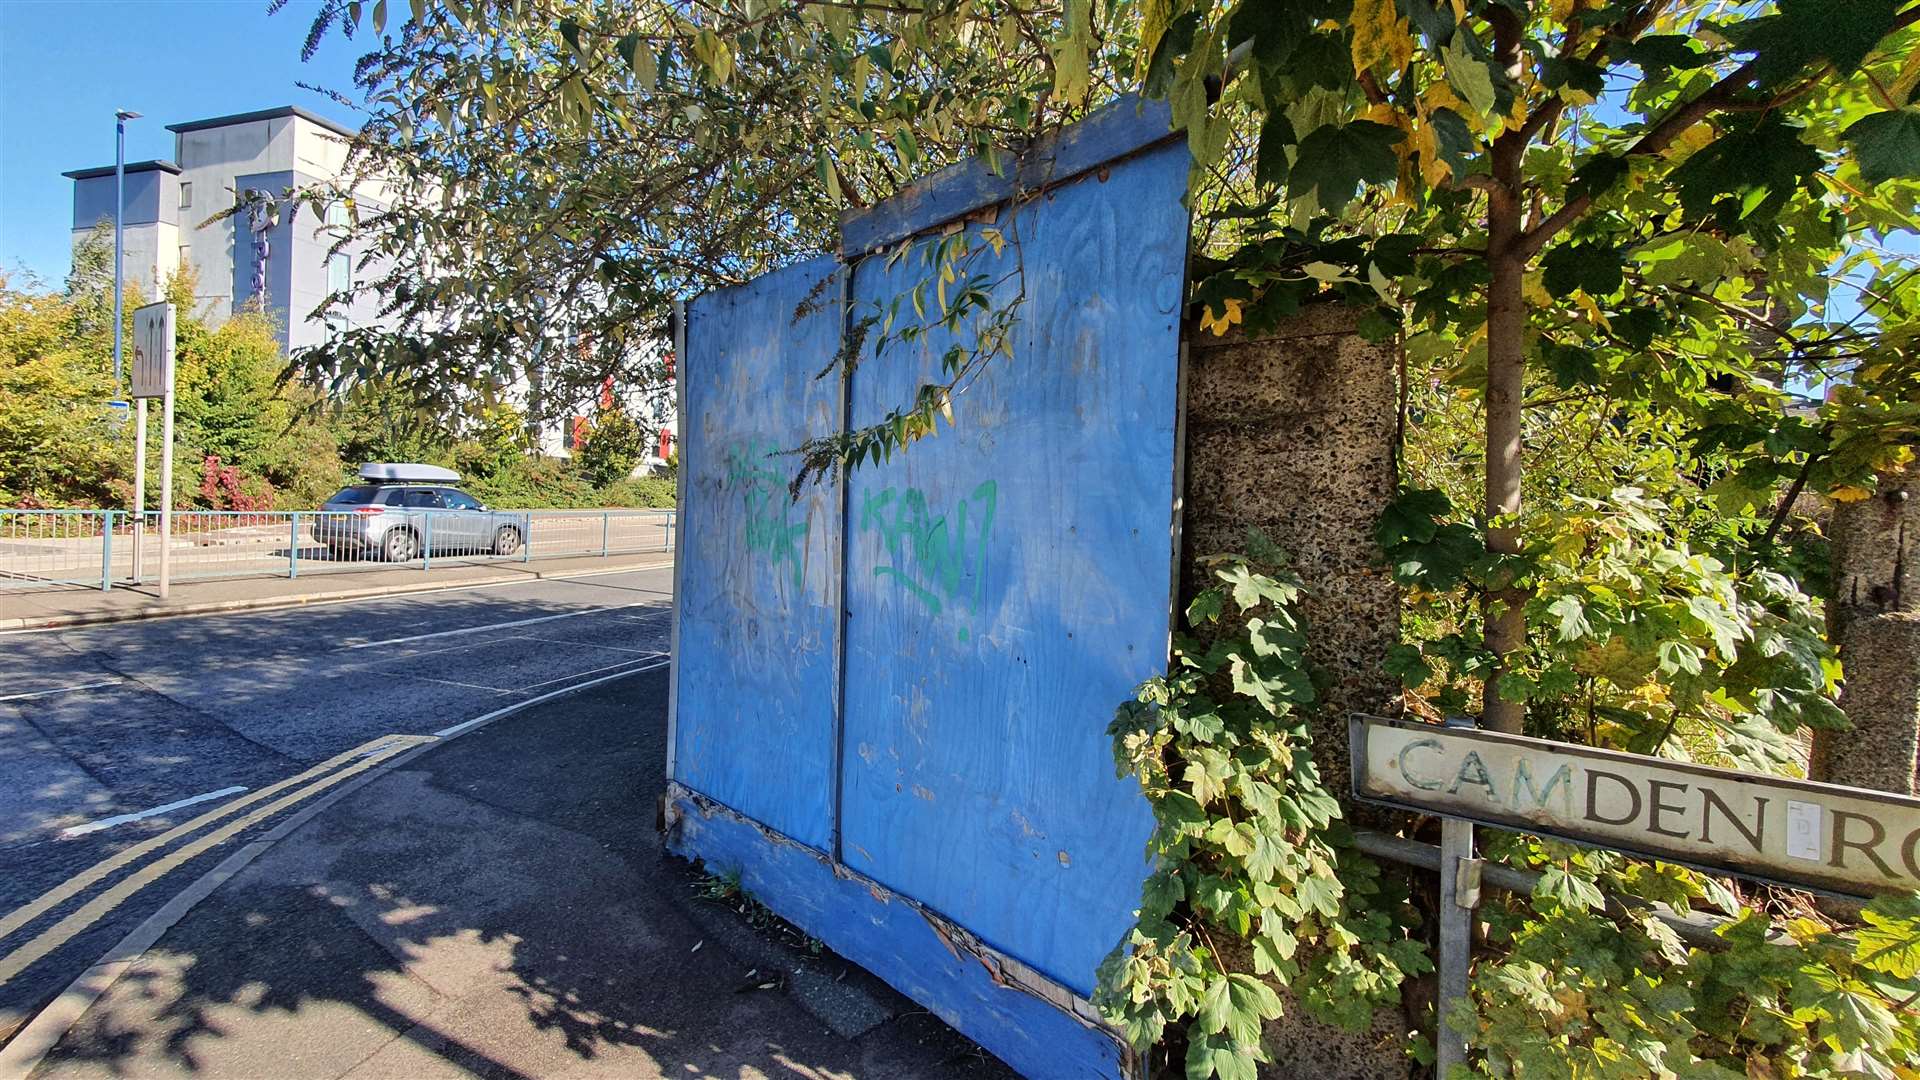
[[120, 118]]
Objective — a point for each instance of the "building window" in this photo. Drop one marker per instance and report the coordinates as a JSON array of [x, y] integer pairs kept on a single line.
[[186, 195], [186, 255]]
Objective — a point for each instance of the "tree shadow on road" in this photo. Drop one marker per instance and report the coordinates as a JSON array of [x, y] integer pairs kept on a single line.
[[498, 907]]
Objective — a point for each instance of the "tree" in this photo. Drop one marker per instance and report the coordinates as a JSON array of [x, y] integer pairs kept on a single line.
[[1641, 199], [561, 172], [614, 446]]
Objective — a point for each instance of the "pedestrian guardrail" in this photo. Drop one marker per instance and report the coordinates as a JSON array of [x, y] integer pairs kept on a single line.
[[106, 548]]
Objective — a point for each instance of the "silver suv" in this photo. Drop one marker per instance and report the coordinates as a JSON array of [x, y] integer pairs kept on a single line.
[[399, 520]]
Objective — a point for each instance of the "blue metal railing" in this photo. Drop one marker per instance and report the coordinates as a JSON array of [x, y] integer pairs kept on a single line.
[[104, 548]]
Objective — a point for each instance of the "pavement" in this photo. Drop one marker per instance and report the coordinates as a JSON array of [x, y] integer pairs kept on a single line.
[[441, 861], [40, 607]]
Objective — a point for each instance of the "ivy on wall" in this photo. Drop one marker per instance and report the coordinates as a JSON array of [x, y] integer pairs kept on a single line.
[[1255, 883]]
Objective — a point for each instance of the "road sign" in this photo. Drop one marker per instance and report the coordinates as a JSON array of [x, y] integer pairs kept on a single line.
[[153, 350], [1843, 840]]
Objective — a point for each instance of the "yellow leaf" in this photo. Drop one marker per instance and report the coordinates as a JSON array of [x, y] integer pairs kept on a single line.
[[1220, 324], [1379, 33], [1848, 493], [1563, 10]]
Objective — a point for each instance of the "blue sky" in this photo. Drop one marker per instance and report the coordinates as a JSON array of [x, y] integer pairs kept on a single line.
[[66, 65]]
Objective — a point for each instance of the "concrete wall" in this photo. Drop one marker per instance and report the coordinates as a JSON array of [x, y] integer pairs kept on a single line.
[[1874, 620], [213, 160], [1293, 433], [153, 195], [151, 236]]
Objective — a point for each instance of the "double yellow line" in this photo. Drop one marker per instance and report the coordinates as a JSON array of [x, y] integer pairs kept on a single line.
[[316, 780]]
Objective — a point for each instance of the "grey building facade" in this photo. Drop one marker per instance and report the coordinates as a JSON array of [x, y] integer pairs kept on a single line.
[[171, 206]]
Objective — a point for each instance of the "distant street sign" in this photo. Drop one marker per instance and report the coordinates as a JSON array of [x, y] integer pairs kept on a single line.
[[1834, 839], [153, 350]]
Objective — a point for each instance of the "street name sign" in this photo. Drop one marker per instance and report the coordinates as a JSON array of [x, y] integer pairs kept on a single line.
[[1826, 837], [153, 350]]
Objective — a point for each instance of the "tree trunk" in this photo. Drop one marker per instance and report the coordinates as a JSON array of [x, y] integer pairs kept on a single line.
[[1505, 615], [1506, 631]]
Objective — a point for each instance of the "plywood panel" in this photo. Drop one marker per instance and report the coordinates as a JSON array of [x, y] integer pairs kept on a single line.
[[1008, 580], [757, 669], [933, 964]]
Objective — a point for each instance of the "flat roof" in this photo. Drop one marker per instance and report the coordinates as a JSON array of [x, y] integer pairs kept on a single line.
[[132, 167], [265, 114]]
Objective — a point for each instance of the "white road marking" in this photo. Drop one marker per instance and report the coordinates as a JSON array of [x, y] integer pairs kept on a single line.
[[443, 682], [59, 690], [108, 823], [584, 645], [517, 706], [496, 626], [589, 671]]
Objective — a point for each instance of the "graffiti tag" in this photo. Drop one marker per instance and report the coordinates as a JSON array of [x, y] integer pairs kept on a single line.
[[939, 558], [770, 527]]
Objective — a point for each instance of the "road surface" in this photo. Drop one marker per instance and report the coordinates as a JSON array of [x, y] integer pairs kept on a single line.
[[101, 727]]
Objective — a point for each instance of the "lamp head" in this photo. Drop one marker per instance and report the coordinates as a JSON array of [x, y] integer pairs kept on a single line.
[[125, 114]]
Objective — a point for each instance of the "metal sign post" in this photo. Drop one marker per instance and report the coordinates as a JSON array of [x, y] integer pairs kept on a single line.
[[153, 376], [139, 483], [1459, 895]]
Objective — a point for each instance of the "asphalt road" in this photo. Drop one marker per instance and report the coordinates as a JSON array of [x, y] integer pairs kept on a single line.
[[103, 723]]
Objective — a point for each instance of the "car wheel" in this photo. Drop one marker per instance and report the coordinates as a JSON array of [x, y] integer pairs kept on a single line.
[[399, 546], [506, 541]]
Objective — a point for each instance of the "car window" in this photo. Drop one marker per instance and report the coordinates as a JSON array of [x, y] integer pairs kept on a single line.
[[459, 500], [357, 495], [422, 498]]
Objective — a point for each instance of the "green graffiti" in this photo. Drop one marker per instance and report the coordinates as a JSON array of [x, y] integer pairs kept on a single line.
[[770, 527], [933, 556]]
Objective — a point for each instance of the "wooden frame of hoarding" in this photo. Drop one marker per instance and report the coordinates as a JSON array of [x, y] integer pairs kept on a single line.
[[1772, 872]]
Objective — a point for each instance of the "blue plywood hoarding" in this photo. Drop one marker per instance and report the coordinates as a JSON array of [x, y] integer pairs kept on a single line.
[[896, 731], [759, 580]]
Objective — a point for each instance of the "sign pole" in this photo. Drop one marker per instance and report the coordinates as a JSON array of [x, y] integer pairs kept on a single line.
[[166, 488], [153, 377], [1459, 894], [139, 481]]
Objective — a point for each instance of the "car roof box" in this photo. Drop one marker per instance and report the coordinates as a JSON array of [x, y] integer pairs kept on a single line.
[[407, 472]]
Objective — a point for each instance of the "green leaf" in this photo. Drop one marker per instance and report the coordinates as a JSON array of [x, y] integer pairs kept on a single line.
[[1803, 31], [640, 60], [1887, 144], [1276, 136], [1658, 53], [1206, 606], [1591, 268], [1597, 175], [1406, 663], [1469, 76], [1890, 940], [1321, 894], [1457, 143], [1334, 159], [1215, 1055], [1250, 1001], [1745, 174], [1573, 618], [1568, 890]]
